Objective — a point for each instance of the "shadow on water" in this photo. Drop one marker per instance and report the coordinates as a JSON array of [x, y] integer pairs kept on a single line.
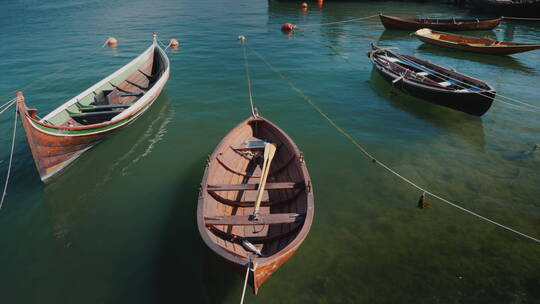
[[393, 35], [466, 127], [500, 61], [183, 261], [69, 194]]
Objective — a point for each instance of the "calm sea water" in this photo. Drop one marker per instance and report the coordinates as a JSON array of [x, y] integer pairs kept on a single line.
[[119, 226]]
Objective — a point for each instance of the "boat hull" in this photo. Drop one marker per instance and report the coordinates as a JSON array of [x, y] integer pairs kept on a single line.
[[470, 103], [54, 148], [282, 240], [491, 50], [397, 23]]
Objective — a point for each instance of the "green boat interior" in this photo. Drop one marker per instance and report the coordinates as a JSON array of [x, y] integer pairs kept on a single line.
[[115, 96]]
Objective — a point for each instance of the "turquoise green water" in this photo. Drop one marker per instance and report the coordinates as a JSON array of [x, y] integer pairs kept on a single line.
[[119, 226]]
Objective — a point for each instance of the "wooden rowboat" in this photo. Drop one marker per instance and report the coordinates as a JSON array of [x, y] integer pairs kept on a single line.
[[453, 24], [433, 83], [226, 216], [60, 137], [471, 44]]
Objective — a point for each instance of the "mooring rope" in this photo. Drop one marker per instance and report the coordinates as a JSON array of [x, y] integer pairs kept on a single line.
[[7, 105], [246, 64], [245, 281], [520, 18], [342, 21], [47, 76], [10, 159], [372, 158]]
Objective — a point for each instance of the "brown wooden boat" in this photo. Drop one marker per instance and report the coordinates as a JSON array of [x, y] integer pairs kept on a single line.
[[60, 137], [451, 24], [471, 44], [433, 83], [226, 215]]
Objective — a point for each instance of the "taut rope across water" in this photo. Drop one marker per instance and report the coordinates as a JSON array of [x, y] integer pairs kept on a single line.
[[10, 156], [375, 160]]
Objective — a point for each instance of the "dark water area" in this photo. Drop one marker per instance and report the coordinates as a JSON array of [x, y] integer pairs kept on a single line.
[[119, 225]]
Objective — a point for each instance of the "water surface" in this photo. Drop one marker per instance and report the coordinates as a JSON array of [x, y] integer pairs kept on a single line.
[[119, 226]]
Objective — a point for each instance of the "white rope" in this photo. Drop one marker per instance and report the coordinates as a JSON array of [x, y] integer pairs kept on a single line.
[[245, 282], [7, 105], [518, 18], [10, 159], [343, 21], [456, 205], [444, 76], [373, 159], [47, 76], [246, 64], [163, 45]]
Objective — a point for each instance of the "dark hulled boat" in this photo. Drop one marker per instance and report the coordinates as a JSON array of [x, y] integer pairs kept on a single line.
[[449, 24], [472, 44], [228, 195], [60, 137], [433, 83]]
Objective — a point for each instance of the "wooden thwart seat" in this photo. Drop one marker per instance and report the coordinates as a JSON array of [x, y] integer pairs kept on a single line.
[[262, 219], [86, 114], [246, 187], [237, 203], [103, 107]]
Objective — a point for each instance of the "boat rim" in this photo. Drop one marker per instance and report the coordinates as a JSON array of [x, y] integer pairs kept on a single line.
[[292, 246]]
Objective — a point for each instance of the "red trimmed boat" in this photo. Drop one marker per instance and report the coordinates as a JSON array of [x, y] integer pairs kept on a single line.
[[242, 218], [60, 137], [449, 24], [472, 44]]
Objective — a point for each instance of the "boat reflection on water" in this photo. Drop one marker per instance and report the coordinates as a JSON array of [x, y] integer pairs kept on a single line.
[[466, 127], [70, 195], [393, 35], [500, 61]]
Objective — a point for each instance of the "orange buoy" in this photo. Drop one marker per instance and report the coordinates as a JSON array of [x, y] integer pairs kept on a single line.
[[241, 38], [304, 5], [320, 3], [287, 27], [112, 42], [173, 43]]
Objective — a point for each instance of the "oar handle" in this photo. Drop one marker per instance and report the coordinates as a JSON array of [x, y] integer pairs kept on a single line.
[[269, 152]]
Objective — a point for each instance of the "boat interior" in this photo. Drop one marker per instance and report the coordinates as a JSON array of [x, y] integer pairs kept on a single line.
[[408, 67], [114, 96], [463, 39], [232, 188], [448, 21]]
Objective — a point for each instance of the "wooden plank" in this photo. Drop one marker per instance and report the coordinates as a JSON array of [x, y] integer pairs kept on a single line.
[[246, 187], [263, 219], [86, 114]]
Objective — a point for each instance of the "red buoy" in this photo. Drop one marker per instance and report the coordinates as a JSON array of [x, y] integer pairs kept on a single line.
[[320, 3], [112, 42], [304, 5], [173, 43], [287, 27]]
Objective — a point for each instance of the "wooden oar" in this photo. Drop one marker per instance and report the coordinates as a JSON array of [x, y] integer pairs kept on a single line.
[[269, 152]]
